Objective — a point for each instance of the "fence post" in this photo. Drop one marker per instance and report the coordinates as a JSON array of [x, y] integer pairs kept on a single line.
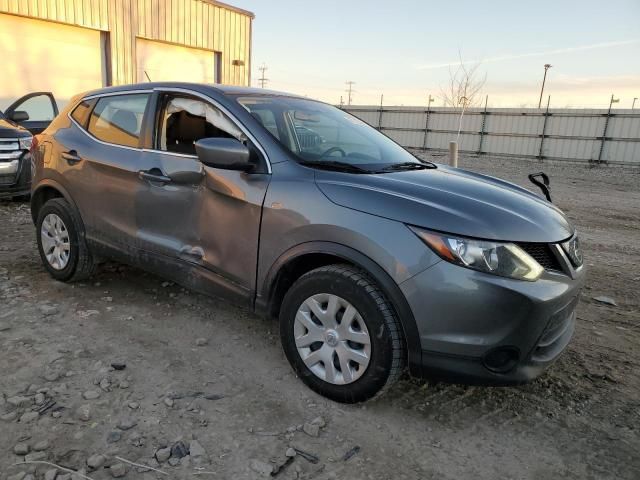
[[380, 114], [426, 126], [544, 129], [604, 133], [484, 120]]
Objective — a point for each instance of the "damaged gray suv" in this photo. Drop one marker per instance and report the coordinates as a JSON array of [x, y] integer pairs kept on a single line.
[[374, 261]]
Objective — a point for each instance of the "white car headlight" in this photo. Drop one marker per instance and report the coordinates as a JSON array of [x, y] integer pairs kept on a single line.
[[25, 143], [504, 259], [573, 250]]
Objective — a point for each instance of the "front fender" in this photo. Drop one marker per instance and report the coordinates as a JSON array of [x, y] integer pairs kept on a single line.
[[350, 255]]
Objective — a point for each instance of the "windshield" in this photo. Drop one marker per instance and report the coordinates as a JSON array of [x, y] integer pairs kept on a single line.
[[323, 135]]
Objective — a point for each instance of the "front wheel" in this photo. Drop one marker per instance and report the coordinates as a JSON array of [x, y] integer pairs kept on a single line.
[[341, 335]]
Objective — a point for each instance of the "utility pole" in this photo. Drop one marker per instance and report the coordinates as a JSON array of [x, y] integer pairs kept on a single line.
[[633, 105], [547, 66], [349, 91], [612, 101], [262, 80]]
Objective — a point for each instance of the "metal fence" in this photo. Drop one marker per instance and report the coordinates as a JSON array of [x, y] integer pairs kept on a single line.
[[584, 135]]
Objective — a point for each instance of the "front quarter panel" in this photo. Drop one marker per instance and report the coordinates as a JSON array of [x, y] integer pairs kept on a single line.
[[297, 212]]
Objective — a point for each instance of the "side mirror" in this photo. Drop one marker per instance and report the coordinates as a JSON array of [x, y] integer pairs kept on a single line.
[[19, 116], [226, 153]]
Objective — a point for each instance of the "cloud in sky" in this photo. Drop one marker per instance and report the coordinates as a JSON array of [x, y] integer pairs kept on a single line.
[[502, 58]]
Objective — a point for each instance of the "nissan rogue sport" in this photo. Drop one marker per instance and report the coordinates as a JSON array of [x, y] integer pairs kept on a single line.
[[373, 260]]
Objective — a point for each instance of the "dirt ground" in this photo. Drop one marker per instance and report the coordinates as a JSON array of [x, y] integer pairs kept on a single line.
[[213, 376]]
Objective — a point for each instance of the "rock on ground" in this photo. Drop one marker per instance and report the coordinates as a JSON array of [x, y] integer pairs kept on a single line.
[[263, 468], [118, 470], [96, 461]]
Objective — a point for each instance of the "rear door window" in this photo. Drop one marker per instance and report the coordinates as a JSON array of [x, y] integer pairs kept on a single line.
[[118, 119], [81, 113]]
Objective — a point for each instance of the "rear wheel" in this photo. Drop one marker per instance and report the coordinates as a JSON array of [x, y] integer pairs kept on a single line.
[[341, 335], [62, 248]]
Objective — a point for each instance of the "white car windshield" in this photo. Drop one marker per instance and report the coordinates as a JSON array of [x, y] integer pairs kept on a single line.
[[320, 134]]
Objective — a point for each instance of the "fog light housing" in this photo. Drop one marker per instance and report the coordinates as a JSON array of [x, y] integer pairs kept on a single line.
[[501, 359]]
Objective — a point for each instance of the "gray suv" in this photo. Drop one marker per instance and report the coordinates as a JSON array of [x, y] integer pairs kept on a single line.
[[373, 260]]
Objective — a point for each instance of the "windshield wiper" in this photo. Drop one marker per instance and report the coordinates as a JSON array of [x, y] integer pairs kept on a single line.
[[335, 165], [408, 166]]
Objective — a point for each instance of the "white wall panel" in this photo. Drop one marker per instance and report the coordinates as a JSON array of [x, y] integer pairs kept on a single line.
[[571, 134], [36, 57]]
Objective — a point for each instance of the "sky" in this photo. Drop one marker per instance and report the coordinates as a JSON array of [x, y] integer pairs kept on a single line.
[[403, 49]]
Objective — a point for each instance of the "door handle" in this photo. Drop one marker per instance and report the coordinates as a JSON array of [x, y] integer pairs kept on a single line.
[[190, 253], [153, 177], [71, 157]]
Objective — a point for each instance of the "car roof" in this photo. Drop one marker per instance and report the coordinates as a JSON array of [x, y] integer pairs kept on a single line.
[[223, 89]]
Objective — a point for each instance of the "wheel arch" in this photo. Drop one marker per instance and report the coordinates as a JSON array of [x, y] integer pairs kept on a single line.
[[45, 191], [307, 256]]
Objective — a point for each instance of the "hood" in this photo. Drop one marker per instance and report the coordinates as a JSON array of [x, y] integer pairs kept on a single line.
[[12, 130], [450, 200]]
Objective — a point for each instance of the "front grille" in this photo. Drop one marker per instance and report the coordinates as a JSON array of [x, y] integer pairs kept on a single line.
[[542, 253], [9, 149], [10, 154]]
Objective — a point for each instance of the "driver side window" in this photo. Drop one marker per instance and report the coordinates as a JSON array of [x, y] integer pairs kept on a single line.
[[185, 120]]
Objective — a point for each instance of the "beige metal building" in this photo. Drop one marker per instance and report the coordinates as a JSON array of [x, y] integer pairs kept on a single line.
[[68, 46]]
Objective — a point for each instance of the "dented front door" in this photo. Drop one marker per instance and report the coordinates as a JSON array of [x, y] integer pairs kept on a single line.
[[204, 221]]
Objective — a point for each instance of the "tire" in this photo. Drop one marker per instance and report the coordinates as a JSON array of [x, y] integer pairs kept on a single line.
[[346, 381], [79, 263]]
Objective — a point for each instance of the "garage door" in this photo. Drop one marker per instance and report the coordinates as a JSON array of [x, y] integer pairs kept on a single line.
[[161, 62], [46, 56]]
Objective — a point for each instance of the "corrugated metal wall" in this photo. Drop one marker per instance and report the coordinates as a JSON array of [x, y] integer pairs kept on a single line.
[[560, 134], [195, 23]]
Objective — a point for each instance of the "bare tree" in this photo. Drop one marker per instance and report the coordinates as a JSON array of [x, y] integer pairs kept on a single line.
[[464, 88]]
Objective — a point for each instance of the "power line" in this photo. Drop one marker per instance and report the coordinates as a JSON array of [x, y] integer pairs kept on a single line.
[[349, 91], [262, 80]]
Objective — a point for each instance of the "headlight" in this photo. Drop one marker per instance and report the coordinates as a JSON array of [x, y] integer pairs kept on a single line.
[[504, 259], [574, 252], [25, 143]]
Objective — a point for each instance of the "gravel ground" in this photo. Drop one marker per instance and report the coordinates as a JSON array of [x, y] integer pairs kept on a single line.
[[129, 367]]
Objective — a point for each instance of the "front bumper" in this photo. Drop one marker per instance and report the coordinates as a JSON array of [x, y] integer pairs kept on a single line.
[[15, 180], [484, 329]]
